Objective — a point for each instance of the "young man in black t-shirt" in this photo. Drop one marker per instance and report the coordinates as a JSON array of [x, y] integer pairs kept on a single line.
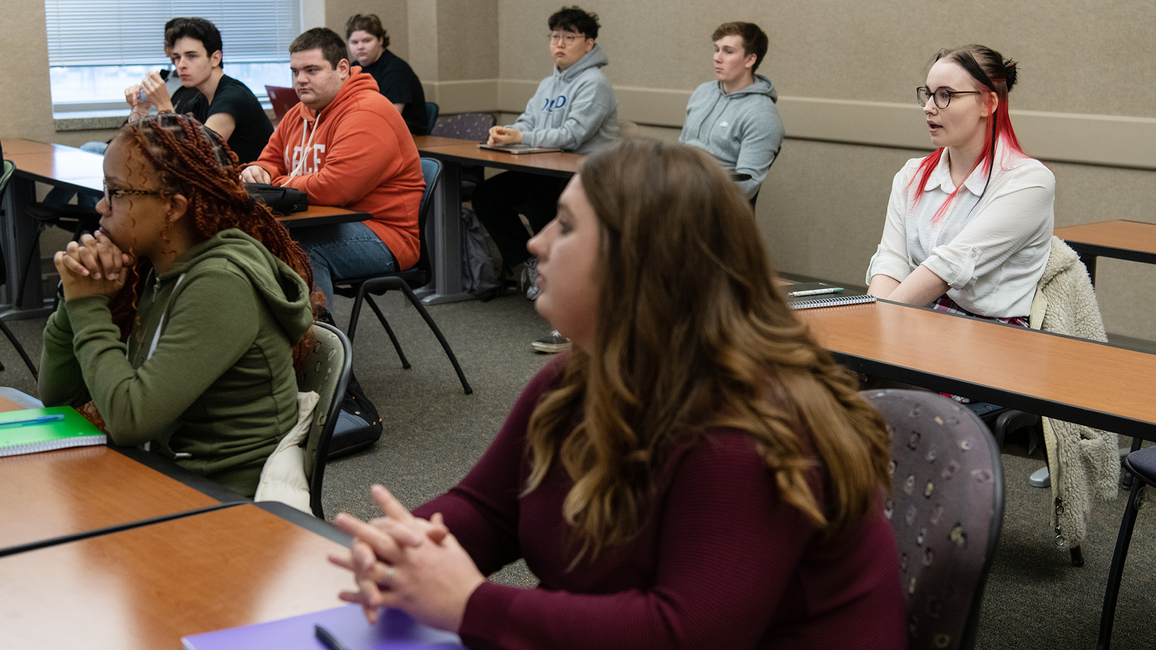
[[224, 104], [368, 41]]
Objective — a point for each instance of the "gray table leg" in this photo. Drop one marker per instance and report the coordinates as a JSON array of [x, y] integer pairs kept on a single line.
[[447, 240]]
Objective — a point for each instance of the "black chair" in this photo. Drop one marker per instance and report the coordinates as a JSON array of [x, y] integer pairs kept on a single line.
[[9, 169], [363, 289], [325, 371], [431, 117], [1141, 465], [946, 509]]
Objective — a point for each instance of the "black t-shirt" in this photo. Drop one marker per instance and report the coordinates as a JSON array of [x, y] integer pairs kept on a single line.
[[253, 128], [181, 98], [397, 81]]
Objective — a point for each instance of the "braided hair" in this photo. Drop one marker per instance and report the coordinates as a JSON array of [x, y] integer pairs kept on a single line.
[[192, 160]]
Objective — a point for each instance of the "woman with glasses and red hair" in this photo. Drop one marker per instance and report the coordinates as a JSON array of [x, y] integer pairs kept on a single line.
[[968, 227]]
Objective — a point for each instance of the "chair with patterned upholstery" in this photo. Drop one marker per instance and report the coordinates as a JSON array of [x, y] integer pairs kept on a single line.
[[946, 509], [466, 126]]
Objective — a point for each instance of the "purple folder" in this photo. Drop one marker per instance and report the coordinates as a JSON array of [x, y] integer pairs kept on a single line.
[[395, 630]]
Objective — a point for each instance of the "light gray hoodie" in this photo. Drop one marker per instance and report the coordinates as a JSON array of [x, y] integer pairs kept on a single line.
[[742, 130], [573, 109]]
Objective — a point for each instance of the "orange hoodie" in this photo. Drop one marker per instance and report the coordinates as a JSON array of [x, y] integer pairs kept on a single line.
[[358, 154]]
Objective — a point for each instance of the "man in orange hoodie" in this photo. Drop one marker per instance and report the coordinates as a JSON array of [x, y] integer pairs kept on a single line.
[[345, 145]]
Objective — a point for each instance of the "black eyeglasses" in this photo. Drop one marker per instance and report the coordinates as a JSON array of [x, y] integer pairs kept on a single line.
[[111, 193], [942, 96]]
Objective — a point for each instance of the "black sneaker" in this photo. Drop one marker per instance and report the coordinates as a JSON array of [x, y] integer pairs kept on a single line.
[[552, 343]]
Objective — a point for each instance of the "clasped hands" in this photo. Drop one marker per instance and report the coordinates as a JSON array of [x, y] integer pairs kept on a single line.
[[154, 89], [92, 267], [406, 562], [503, 135]]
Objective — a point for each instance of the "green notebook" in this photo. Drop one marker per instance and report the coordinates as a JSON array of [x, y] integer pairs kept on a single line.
[[33, 430]]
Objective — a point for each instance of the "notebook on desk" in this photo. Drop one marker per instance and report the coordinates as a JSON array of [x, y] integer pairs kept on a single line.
[[518, 148], [34, 430], [811, 295], [395, 630]]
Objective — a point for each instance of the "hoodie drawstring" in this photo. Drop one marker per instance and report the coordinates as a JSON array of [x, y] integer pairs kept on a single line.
[[305, 146]]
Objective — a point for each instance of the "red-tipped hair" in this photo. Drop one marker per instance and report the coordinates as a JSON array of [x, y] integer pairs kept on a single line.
[[998, 75]]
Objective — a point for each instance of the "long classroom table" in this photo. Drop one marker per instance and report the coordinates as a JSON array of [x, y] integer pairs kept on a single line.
[[73, 169], [146, 587], [1118, 239], [1074, 380], [447, 243]]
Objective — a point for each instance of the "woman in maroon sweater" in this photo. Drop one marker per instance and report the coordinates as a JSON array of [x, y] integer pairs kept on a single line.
[[697, 474]]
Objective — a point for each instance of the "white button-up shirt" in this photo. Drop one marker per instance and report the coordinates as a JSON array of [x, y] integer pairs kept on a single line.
[[990, 247]]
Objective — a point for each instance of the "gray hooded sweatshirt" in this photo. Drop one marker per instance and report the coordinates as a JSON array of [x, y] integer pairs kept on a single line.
[[573, 109], [742, 130]]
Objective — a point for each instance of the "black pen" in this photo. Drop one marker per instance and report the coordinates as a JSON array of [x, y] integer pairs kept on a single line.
[[327, 638]]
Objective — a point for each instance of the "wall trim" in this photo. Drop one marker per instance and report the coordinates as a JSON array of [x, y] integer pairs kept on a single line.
[[1103, 140]]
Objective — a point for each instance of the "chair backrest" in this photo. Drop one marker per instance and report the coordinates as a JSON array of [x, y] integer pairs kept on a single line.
[[946, 509], [466, 126], [431, 170], [325, 370], [9, 169], [282, 99], [431, 117]]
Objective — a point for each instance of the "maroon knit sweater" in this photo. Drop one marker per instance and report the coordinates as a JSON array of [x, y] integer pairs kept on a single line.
[[719, 562]]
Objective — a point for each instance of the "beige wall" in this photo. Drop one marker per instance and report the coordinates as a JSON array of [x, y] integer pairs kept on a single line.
[[845, 71]]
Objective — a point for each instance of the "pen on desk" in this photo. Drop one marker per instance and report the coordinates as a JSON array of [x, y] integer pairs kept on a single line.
[[327, 639], [815, 292], [42, 419]]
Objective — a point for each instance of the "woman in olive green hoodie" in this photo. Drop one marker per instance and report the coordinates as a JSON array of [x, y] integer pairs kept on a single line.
[[180, 317]]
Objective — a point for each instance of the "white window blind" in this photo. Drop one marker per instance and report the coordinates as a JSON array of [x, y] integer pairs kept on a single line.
[[131, 32]]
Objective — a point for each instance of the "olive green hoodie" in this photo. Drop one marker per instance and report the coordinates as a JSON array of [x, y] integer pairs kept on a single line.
[[216, 390]]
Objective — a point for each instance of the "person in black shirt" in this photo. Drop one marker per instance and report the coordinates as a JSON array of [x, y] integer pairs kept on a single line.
[[368, 41], [224, 104]]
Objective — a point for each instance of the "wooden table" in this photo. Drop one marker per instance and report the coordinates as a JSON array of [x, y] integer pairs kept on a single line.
[[454, 153], [146, 587], [1069, 379], [1119, 239], [57, 496], [77, 170]]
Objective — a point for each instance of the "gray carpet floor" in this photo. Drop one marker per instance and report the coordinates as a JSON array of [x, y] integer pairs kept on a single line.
[[434, 433]]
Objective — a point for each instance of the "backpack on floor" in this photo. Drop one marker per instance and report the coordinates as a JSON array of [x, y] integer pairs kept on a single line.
[[358, 425]]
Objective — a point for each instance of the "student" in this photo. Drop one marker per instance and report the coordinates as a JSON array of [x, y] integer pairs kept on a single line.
[[58, 197], [969, 226], [734, 117], [698, 472], [179, 319], [226, 104], [344, 145], [368, 41], [575, 110]]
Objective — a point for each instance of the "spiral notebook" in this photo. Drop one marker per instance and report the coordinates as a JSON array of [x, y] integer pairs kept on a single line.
[[833, 300], [34, 430]]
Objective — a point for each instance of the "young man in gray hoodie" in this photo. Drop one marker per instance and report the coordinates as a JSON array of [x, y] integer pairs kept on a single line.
[[575, 110], [734, 117]]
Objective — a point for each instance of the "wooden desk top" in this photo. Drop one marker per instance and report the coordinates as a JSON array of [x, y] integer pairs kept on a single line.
[[1120, 239], [467, 151], [1070, 379], [61, 165], [73, 491], [147, 587]]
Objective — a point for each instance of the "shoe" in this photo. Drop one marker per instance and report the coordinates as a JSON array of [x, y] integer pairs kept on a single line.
[[1040, 478], [530, 278], [552, 343]]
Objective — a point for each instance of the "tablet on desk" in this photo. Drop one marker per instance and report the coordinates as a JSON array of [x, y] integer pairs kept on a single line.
[[518, 148]]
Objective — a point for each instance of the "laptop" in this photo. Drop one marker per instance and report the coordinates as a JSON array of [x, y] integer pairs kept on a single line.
[[518, 148], [282, 99]]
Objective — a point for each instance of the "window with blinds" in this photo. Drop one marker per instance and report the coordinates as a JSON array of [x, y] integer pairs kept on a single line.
[[97, 48]]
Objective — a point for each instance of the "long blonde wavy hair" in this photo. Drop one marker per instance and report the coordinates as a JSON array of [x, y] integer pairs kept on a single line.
[[692, 335]]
